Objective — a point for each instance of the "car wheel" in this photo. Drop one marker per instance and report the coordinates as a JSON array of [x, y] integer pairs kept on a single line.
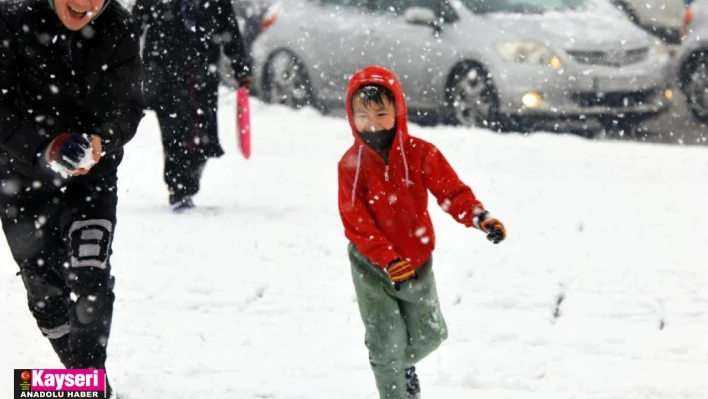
[[695, 85], [286, 81], [472, 99]]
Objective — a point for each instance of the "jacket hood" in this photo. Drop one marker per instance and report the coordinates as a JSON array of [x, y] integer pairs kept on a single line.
[[381, 76]]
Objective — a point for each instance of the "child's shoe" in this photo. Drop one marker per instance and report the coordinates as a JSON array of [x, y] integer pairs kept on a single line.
[[412, 384]]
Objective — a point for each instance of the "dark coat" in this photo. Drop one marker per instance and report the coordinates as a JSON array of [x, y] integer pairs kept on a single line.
[[53, 80], [182, 48]]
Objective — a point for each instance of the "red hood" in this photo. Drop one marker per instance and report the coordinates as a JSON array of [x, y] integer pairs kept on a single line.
[[377, 75]]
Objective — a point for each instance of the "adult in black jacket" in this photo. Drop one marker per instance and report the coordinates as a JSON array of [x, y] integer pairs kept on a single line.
[[70, 99], [181, 57]]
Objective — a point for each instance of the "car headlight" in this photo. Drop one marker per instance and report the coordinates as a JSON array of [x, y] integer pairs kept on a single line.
[[528, 52]]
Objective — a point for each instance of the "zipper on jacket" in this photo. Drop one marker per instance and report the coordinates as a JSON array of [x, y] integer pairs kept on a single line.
[[386, 173]]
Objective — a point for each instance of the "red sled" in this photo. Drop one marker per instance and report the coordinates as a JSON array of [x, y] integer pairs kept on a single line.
[[243, 121]]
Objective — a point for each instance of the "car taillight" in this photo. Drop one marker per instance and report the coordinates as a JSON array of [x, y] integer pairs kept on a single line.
[[268, 20], [687, 19]]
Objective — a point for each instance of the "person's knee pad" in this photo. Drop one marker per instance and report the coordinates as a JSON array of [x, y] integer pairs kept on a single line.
[[88, 275], [88, 271], [90, 244]]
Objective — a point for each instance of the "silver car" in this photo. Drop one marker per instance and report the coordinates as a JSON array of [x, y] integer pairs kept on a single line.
[[693, 59], [495, 63]]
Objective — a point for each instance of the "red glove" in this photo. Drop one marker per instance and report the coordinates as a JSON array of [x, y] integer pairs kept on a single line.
[[496, 232], [399, 271]]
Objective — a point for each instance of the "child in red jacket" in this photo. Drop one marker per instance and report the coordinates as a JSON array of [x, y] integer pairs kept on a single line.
[[384, 180]]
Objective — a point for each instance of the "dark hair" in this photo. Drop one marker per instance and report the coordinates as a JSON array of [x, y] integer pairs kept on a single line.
[[373, 94]]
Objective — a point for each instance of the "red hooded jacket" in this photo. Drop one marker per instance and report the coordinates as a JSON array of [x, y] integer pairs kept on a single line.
[[384, 208]]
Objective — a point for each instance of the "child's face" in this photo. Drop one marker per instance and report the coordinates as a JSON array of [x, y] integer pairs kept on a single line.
[[75, 14], [373, 117]]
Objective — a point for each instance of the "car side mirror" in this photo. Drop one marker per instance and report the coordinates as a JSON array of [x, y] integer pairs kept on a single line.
[[422, 16]]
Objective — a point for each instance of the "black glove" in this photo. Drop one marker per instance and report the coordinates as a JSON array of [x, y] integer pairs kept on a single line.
[[496, 232], [68, 150]]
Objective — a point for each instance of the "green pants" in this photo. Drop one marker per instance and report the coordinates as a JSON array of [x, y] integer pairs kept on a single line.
[[402, 327]]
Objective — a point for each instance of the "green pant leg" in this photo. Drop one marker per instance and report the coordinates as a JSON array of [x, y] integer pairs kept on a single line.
[[386, 336], [420, 307]]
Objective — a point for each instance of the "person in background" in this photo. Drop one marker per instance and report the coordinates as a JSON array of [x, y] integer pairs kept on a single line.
[[181, 55]]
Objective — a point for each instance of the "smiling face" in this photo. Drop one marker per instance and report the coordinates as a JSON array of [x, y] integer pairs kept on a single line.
[[373, 116], [75, 14]]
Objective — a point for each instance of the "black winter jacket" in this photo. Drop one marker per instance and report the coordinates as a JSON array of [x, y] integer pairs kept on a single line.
[[177, 44], [53, 80]]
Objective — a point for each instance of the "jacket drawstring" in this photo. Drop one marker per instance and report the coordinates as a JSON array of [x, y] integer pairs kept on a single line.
[[356, 175], [405, 161], [407, 180]]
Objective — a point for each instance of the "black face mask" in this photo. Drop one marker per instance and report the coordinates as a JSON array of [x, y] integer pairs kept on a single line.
[[380, 139]]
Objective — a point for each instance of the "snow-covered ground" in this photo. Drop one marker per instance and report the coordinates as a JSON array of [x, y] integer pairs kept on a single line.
[[251, 297]]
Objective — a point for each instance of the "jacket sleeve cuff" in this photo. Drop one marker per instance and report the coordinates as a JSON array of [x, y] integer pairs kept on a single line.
[[385, 258], [110, 138], [480, 215]]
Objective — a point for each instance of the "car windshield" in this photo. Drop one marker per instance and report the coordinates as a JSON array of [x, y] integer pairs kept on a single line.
[[522, 6]]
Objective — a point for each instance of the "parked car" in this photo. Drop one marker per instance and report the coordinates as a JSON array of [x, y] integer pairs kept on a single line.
[[470, 62], [661, 18], [251, 19], [692, 58]]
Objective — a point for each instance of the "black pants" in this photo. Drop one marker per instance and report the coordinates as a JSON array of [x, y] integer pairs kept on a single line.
[[186, 109], [61, 242]]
